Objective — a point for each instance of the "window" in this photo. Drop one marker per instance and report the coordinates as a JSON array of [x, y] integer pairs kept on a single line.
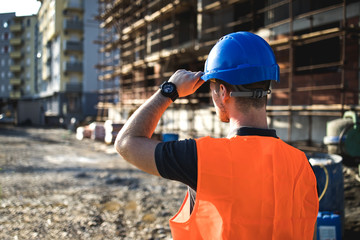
[[303, 6], [318, 53], [73, 59], [74, 79]]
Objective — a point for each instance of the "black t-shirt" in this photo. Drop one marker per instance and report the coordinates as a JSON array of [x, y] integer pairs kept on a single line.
[[177, 160]]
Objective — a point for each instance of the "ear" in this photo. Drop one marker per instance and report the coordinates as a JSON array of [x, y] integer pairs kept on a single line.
[[224, 93]]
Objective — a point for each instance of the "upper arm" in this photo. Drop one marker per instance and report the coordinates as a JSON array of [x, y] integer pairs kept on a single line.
[[177, 160], [139, 151]]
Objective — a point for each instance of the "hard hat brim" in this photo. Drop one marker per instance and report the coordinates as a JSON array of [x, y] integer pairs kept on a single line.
[[244, 74]]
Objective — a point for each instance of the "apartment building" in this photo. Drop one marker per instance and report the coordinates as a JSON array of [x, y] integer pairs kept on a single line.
[[6, 20], [67, 78], [23, 48], [316, 44]]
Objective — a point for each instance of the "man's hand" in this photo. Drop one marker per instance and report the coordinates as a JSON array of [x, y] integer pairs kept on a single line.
[[186, 82]]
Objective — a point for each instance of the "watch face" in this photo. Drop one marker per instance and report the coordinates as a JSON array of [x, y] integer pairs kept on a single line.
[[168, 88]]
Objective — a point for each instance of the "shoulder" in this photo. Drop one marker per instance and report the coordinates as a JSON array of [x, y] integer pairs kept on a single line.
[[209, 140], [291, 148], [175, 146], [177, 160]]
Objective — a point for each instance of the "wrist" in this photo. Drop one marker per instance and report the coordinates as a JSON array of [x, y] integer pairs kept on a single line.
[[168, 89]]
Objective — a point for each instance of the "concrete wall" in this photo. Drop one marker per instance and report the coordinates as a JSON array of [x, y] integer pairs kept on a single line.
[[187, 122], [304, 128], [204, 122], [30, 112], [90, 58], [89, 101]]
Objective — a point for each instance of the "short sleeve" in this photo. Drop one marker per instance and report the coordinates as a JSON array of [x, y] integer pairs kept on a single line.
[[177, 160]]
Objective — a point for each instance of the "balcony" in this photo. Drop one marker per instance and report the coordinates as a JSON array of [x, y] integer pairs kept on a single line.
[[16, 54], [15, 81], [73, 87], [75, 46], [15, 41], [46, 73], [73, 5], [15, 68], [15, 94], [74, 67], [17, 27], [73, 25]]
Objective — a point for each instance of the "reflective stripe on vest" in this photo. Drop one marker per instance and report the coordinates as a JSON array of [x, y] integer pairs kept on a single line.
[[249, 187]]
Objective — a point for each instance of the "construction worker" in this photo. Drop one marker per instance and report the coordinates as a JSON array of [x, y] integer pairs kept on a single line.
[[250, 185]]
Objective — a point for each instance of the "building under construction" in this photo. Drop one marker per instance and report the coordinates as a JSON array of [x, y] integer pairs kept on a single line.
[[316, 43]]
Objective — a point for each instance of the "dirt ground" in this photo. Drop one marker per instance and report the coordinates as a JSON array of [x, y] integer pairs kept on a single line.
[[56, 187]]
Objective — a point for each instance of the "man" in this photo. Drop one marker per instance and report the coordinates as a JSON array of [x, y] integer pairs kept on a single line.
[[250, 185]]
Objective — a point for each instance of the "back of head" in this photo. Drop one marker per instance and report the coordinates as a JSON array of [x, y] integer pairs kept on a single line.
[[241, 58], [245, 64]]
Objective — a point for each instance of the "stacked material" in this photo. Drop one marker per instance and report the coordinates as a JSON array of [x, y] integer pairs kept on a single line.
[[83, 132], [106, 132], [111, 131], [97, 131]]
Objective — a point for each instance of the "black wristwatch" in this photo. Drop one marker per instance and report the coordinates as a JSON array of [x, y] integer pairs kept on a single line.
[[168, 89]]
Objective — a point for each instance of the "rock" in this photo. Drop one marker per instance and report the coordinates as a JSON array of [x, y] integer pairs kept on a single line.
[[111, 206], [148, 218]]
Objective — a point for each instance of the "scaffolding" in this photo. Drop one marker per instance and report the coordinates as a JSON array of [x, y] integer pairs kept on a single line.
[[108, 61], [316, 45]]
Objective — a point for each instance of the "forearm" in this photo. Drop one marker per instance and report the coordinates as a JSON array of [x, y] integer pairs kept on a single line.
[[144, 120], [134, 141]]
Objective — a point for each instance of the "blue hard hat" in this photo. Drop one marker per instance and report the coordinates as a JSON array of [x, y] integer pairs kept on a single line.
[[241, 58]]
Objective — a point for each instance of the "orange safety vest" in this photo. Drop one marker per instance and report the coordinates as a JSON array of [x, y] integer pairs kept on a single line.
[[249, 187]]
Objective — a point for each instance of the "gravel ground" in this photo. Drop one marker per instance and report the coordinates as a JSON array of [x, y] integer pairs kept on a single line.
[[56, 187]]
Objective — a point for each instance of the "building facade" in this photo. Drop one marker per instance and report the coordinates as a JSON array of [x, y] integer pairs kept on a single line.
[[23, 49], [316, 44], [6, 20], [67, 83]]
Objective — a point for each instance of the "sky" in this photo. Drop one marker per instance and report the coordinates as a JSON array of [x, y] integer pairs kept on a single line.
[[20, 7]]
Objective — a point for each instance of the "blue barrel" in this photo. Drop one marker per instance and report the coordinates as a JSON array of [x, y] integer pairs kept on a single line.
[[329, 175], [328, 226], [166, 137]]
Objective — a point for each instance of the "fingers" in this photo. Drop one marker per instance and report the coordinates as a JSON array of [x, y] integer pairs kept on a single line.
[[187, 82], [199, 83], [199, 74]]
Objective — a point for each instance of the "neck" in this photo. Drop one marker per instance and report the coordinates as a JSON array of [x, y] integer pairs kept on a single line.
[[255, 118]]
